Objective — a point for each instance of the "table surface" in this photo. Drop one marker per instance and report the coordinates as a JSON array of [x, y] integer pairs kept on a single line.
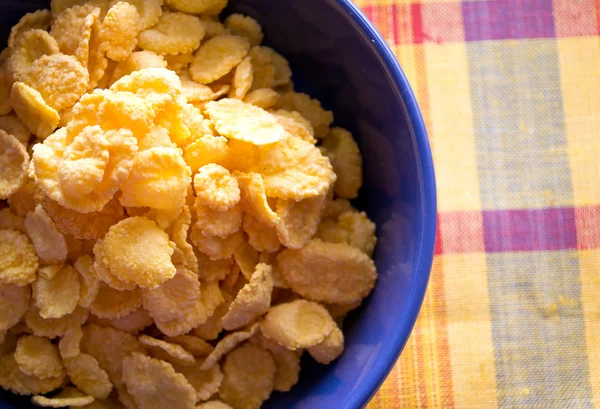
[[510, 94]]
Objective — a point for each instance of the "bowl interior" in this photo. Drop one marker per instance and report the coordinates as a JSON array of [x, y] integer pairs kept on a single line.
[[339, 58]]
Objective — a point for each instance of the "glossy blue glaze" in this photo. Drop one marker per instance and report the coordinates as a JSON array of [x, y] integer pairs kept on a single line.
[[337, 56]]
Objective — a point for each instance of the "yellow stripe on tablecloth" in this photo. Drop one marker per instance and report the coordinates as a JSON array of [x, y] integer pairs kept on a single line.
[[452, 127], [470, 331], [579, 59], [589, 265]]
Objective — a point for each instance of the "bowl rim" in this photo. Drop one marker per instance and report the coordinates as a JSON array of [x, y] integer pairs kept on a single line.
[[367, 389]]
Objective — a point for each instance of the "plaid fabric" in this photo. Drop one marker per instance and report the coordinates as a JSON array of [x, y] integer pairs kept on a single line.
[[510, 93]]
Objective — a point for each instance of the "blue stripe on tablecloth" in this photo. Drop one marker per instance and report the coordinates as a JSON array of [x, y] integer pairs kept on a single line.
[[520, 136], [538, 330]]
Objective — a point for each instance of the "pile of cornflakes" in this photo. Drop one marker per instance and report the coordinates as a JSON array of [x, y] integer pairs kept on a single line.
[[175, 224]]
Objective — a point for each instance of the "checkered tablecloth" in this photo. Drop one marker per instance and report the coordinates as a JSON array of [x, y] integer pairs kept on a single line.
[[510, 94]]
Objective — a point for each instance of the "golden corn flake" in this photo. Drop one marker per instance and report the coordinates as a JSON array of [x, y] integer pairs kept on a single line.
[[159, 179], [298, 221], [263, 68], [335, 208], [69, 343], [14, 302], [295, 169], [178, 232], [215, 247], [211, 329], [53, 327], [23, 200], [59, 78], [119, 31], [217, 223], [245, 26], [85, 226], [138, 60], [260, 236], [84, 163], [89, 285], [82, 52], [29, 46], [345, 274], [216, 188], [353, 228], [126, 110], [30, 107], [16, 381], [174, 297], [39, 19], [14, 162], [330, 348], [227, 344], [212, 7], [133, 322], [67, 27], [213, 270], [210, 298], [18, 259], [264, 98], [149, 11], [238, 120], [58, 296], [248, 375], [86, 374], [195, 345], [295, 124], [346, 160], [217, 57], [155, 384], [145, 261], [63, 399], [109, 347], [310, 109], [254, 198], [179, 62], [48, 241], [205, 382], [287, 369], [172, 353], [242, 79], [111, 303], [253, 300], [174, 33], [194, 91], [38, 357], [12, 125], [297, 324], [246, 257]]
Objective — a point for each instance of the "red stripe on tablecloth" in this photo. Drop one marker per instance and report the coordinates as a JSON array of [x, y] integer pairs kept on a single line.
[[514, 230]]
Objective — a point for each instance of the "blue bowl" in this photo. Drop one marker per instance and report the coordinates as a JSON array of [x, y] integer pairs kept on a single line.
[[339, 57]]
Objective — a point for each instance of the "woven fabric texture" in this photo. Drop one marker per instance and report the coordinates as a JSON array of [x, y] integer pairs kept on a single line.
[[510, 94]]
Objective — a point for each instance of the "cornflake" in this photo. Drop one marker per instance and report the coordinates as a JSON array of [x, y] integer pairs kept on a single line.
[[155, 384], [248, 375], [38, 357], [238, 120], [18, 259], [217, 57], [172, 353], [175, 33], [14, 161], [345, 273], [253, 300]]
